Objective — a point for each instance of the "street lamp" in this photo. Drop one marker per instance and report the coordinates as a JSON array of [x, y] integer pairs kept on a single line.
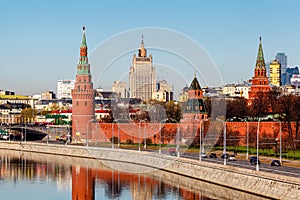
[[200, 139], [139, 136], [118, 133], [224, 142], [280, 145], [143, 121], [87, 131], [247, 148], [177, 141], [162, 121], [257, 145], [113, 135]]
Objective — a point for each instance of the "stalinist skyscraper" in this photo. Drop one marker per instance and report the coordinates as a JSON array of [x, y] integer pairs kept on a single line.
[[142, 75]]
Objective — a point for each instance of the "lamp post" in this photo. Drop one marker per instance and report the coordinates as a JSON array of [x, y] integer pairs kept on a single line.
[[280, 145], [87, 131], [225, 142], [257, 145], [113, 134], [118, 134], [177, 141], [139, 136], [162, 121], [200, 139], [247, 133], [144, 122]]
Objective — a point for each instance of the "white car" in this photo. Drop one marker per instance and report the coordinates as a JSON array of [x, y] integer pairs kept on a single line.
[[231, 157]]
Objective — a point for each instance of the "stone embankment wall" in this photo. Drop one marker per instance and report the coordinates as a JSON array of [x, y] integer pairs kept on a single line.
[[259, 183]]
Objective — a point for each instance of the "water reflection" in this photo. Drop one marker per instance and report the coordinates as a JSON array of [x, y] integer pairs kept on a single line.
[[59, 177]]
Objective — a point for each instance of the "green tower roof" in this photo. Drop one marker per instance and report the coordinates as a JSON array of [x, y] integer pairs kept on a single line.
[[260, 61], [83, 66], [195, 84]]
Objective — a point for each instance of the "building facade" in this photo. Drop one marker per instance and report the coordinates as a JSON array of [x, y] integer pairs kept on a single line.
[[164, 92], [119, 87], [142, 75], [282, 59], [64, 88], [260, 82], [275, 73], [236, 90], [83, 95]]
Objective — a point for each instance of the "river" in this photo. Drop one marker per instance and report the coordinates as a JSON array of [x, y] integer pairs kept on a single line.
[[25, 175]]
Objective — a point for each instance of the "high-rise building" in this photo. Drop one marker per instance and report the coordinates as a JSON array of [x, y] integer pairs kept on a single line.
[[64, 88], [282, 59], [275, 73], [142, 75], [260, 82], [83, 95]]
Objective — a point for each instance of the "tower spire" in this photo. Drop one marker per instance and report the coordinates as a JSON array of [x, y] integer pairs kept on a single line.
[[83, 41], [83, 66], [142, 43], [260, 61], [142, 50]]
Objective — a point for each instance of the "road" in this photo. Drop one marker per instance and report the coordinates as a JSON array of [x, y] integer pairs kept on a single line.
[[242, 163]]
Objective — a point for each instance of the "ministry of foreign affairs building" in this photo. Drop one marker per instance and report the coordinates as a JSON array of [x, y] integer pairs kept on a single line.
[[142, 75]]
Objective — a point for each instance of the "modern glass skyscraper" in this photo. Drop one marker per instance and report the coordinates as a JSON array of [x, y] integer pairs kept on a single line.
[[282, 58]]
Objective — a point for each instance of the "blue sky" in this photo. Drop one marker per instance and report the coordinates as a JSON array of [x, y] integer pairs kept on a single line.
[[40, 39]]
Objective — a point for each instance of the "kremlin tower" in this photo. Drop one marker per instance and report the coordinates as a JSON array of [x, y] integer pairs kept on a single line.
[[195, 108], [260, 83], [83, 95]]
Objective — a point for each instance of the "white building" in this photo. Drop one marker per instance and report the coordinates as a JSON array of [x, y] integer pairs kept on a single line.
[[119, 87], [142, 76], [234, 90], [164, 92], [64, 88]]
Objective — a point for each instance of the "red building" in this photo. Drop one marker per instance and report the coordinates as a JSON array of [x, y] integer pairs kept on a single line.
[[83, 94], [260, 83]]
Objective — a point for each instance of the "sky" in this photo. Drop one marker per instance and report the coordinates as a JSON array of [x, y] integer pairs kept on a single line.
[[217, 39]]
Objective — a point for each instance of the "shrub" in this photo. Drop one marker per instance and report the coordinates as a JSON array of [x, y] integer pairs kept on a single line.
[[116, 140], [129, 141]]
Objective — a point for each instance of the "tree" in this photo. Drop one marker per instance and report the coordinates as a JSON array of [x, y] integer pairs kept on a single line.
[[236, 108], [28, 113], [289, 107], [173, 110]]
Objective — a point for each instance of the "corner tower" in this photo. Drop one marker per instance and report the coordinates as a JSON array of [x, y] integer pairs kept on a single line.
[[260, 83], [83, 94]]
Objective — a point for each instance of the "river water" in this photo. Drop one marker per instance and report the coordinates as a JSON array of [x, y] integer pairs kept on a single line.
[[39, 176]]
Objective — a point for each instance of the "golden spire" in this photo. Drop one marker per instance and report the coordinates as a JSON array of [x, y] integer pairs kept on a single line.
[[142, 50]]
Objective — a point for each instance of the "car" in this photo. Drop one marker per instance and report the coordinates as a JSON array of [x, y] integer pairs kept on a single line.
[[254, 160], [276, 163], [225, 155], [172, 152], [203, 155], [231, 158], [213, 155]]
